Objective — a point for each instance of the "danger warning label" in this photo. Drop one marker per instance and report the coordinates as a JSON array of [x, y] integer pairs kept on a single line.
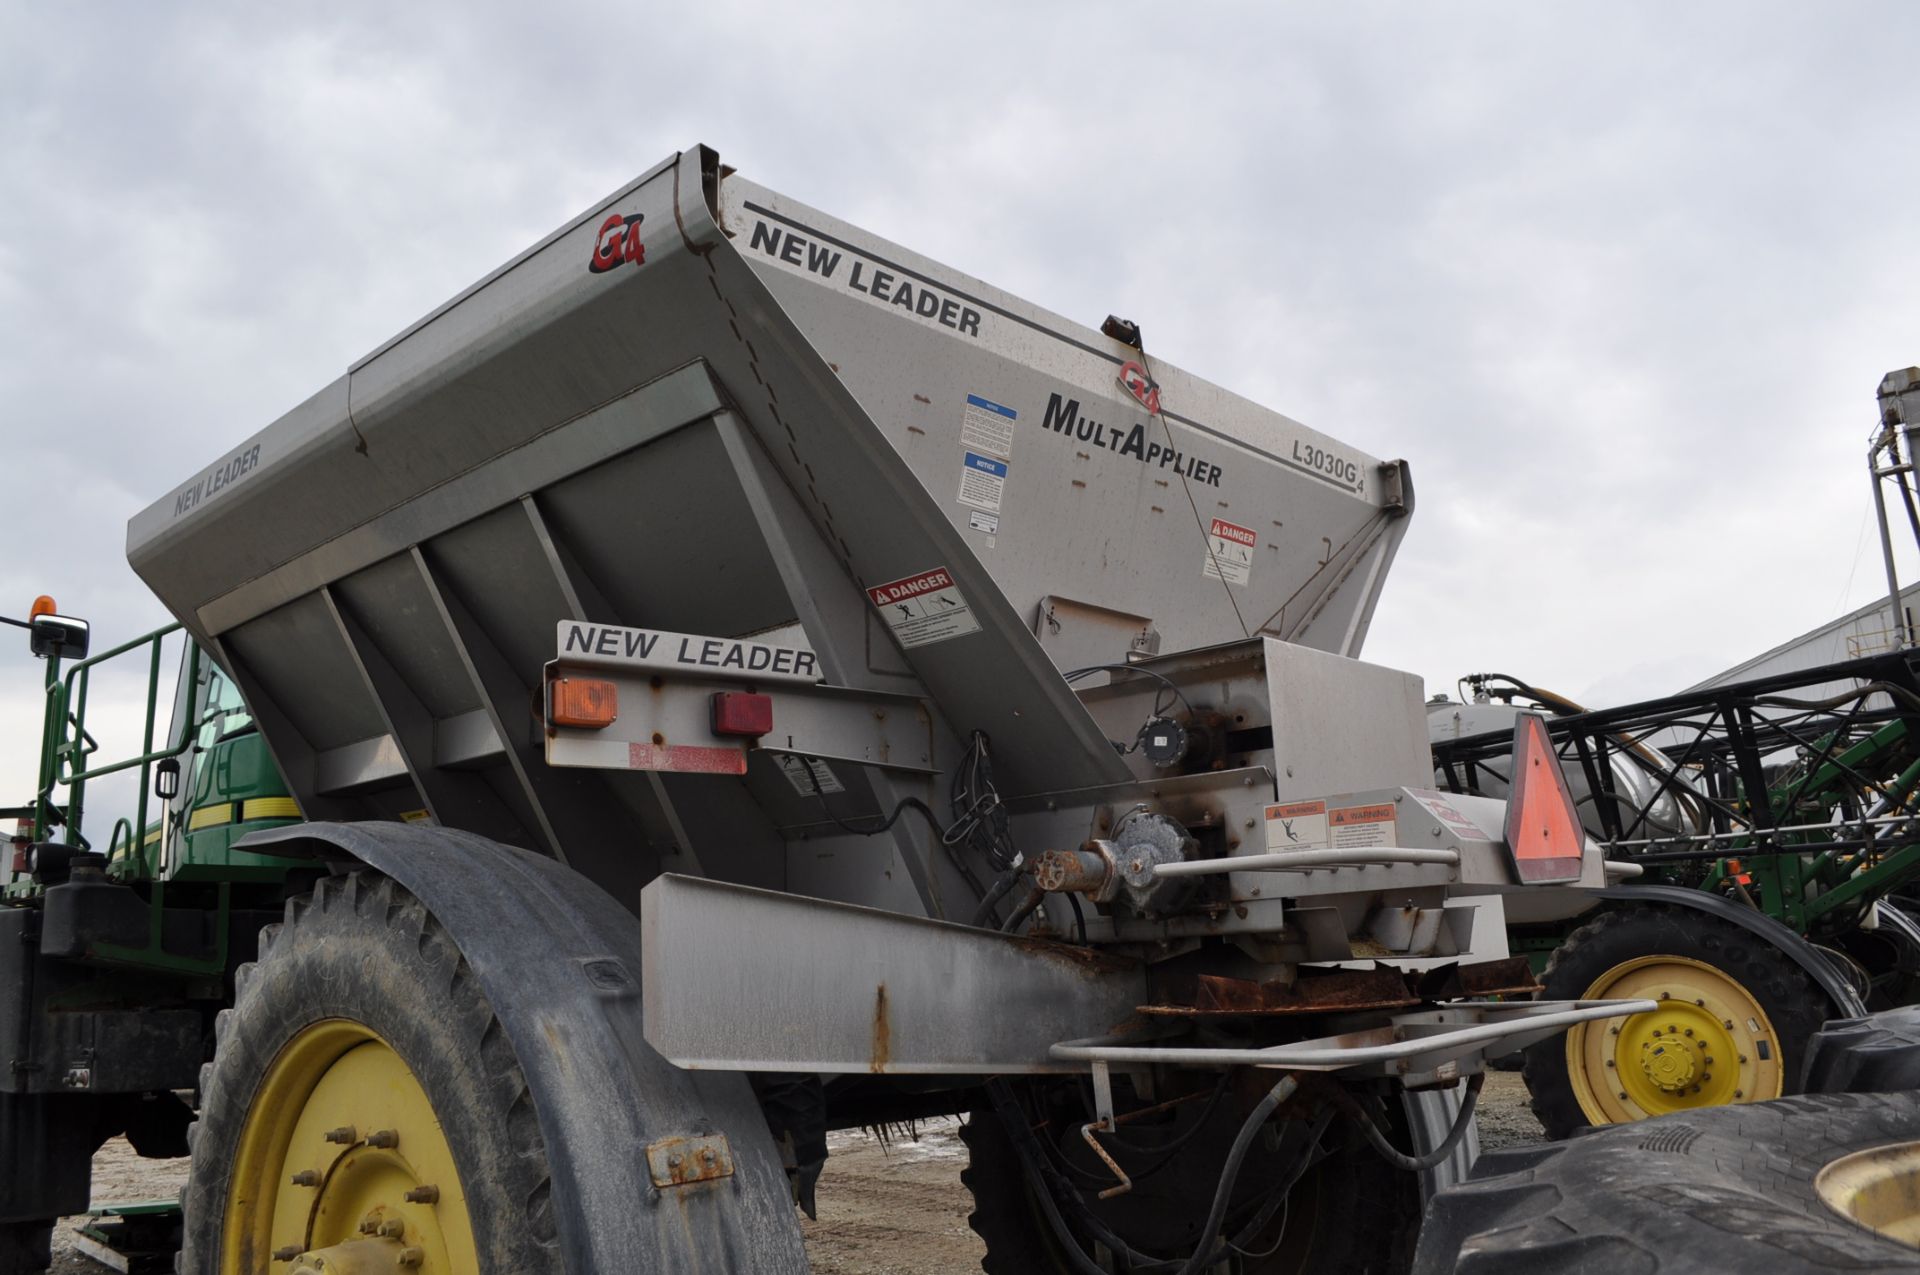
[[1358, 826], [924, 609], [1230, 552]]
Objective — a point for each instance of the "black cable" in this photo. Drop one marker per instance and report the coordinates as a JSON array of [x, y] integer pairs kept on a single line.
[[1076, 674], [1310, 1157], [1042, 1180], [1041, 1187], [904, 804], [1001, 887], [1421, 1163], [1079, 917], [1028, 906], [1169, 1149], [1230, 1171]]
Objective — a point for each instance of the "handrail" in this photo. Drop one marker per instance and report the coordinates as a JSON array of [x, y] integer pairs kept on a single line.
[[68, 745]]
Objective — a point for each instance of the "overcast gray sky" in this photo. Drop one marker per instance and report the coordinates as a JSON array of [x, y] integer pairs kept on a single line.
[[1617, 279]]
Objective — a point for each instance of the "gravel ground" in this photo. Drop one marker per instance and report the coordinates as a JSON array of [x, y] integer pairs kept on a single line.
[[892, 1210]]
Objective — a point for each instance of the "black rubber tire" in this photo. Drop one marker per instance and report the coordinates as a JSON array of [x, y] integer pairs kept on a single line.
[[1794, 1003], [362, 948], [1720, 1189], [1363, 1214], [25, 1247]]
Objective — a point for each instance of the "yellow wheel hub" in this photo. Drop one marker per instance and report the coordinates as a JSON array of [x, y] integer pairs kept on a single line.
[[1707, 1045], [342, 1168]]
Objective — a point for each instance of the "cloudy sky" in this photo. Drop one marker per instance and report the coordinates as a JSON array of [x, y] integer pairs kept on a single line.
[[1617, 279]]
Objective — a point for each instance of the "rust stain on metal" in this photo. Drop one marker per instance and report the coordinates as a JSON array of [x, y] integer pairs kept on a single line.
[[1085, 959], [1213, 995], [1510, 976], [681, 1161], [882, 1031]]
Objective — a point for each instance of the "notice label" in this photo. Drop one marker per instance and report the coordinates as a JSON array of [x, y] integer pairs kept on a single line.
[[987, 428], [924, 609], [1230, 552], [809, 775], [1361, 826], [989, 523], [1297, 825], [983, 481]]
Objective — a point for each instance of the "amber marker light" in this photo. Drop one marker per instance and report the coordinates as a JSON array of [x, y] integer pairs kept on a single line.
[[586, 703]]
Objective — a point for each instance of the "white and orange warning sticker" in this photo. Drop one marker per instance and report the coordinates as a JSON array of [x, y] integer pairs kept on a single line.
[[1297, 825], [924, 609], [1361, 826]]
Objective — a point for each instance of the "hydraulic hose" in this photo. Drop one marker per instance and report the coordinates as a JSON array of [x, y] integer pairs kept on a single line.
[[1421, 1163], [1230, 1171], [1001, 887], [1028, 906]]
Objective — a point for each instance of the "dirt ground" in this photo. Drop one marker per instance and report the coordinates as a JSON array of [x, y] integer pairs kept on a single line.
[[892, 1210]]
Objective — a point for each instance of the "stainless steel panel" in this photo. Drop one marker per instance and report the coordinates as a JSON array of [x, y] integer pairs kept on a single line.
[[750, 980], [1341, 725]]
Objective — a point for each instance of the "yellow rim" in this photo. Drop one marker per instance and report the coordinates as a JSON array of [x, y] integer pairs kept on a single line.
[[1709, 1044], [1878, 1188], [342, 1167]]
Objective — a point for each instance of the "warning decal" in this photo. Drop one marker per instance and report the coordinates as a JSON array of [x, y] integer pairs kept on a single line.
[[809, 775], [924, 609], [1297, 825], [1356, 826], [1230, 552], [983, 481], [987, 427]]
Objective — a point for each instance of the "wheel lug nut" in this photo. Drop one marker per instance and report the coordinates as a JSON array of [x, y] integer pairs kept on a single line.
[[344, 1134], [1743, 1060], [386, 1139], [369, 1224], [423, 1195], [410, 1257], [393, 1228], [1689, 1031], [1701, 1003], [286, 1254], [1609, 1062], [1739, 1093], [1623, 1095], [306, 1177]]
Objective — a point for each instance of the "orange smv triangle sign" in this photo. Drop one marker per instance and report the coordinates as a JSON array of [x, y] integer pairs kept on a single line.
[[1543, 828]]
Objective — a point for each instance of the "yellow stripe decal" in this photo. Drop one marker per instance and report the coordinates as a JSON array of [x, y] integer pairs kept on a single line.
[[269, 808], [210, 816]]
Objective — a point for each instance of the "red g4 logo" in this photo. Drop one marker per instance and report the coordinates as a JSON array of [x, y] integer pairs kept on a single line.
[[1141, 386], [619, 243]]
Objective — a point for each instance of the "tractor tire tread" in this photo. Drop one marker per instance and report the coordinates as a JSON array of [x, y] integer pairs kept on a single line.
[[1719, 1189], [367, 913]]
